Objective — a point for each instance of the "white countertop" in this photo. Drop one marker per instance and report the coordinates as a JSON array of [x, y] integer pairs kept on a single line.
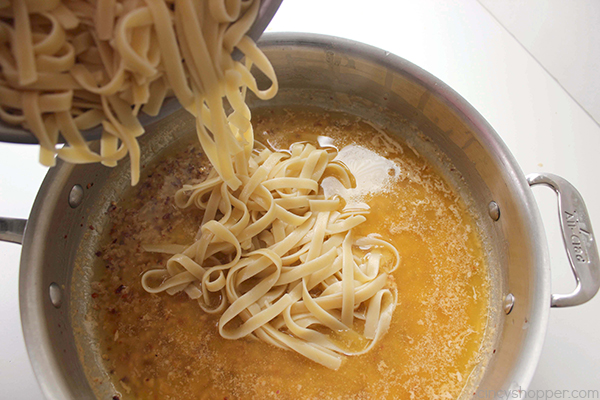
[[461, 43]]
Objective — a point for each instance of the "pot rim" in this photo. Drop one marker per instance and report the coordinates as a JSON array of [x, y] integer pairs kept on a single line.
[[32, 293], [532, 344]]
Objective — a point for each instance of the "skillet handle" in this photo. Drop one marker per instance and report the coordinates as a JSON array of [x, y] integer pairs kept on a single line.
[[578, 238], [12, 229]]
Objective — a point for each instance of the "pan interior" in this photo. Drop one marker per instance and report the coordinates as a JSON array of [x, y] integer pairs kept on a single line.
[[176, 131]]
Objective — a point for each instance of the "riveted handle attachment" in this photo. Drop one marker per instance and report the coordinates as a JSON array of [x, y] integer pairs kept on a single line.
[[578, 237]]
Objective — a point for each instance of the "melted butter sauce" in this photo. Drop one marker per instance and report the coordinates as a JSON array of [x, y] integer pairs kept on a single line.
[[164, 347]]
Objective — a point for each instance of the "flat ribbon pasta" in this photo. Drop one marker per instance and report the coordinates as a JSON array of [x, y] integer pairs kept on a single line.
[[280, 263]]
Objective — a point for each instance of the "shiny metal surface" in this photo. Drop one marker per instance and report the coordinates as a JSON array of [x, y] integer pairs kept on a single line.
[[12, 229], [55, 294], [267, 10], [494, 210], [578, 237], [16, 134], [509, 303], [75, 196], [334, 74]]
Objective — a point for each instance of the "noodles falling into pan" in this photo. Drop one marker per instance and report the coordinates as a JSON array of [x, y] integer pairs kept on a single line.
[[273, 255]]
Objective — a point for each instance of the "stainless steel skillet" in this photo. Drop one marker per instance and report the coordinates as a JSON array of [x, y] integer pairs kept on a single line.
[[342, 75]]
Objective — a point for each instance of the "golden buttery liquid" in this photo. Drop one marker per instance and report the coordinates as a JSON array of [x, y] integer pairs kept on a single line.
[[165, 347]]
